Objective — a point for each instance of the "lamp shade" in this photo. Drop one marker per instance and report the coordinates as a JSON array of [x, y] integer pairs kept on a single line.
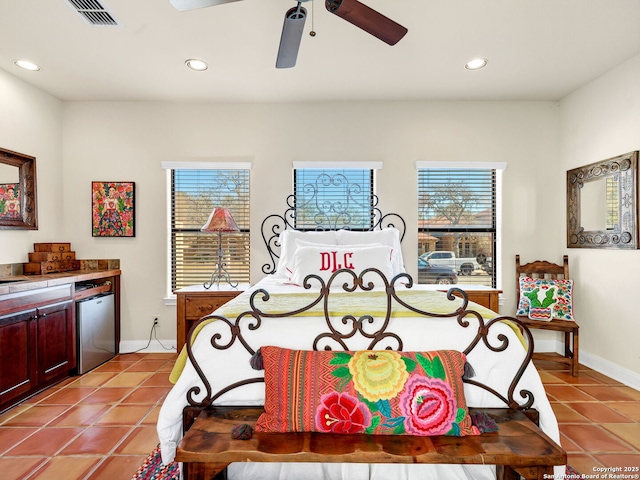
[[220, 220]]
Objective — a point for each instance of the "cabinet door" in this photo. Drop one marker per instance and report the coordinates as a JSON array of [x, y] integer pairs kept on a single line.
[[17, 366], [56, 344]]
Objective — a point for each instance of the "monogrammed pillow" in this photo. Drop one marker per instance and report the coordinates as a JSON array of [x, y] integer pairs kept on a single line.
[[325, 260], [288, 246], [387, 236]]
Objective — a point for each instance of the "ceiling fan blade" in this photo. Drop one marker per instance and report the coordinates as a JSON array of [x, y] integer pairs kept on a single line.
[[367, 19], [184, 5], [291, 36]]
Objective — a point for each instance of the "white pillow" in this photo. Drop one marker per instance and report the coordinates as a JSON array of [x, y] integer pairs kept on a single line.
[[303, 243], [324, 262], [387, 236], [288, 246]]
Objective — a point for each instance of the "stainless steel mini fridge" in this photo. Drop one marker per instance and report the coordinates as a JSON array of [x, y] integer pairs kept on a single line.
[[96, 331]]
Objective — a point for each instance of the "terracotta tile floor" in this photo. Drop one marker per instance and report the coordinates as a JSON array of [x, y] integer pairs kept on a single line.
[[102, 425], [599, 418]]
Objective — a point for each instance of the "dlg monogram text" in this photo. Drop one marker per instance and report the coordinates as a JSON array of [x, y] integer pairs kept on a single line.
[[331, 261]]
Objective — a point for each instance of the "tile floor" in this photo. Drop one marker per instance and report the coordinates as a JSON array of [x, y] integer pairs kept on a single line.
[[102, 425], [99, 426], [599, 418]]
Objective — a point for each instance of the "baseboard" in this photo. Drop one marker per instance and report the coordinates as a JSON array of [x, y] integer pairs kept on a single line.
[[146, 346], [610, 369], [599, 364]]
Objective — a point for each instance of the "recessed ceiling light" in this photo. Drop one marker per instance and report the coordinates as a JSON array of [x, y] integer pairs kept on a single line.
[[475, 64], [27, 65], [197, 65]]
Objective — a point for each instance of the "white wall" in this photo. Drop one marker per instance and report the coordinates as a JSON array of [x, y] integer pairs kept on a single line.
[[599, 121], [77, 142], [31, 123], [128, 141]]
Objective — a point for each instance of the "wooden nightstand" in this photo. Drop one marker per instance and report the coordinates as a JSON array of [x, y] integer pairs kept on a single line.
[[485, 296], [194, 302]]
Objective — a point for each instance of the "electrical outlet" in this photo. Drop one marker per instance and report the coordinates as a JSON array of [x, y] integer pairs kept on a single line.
[[155, 321]]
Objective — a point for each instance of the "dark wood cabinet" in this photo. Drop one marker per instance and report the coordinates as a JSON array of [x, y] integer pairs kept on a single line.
[[56, 341], [37, 341], [18, 367]]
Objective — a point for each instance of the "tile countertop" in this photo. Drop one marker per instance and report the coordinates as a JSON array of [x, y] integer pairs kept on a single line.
[[22, 283]]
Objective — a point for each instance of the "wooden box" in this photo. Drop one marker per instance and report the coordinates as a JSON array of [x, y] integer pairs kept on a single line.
[[52, 247], [36, 257]]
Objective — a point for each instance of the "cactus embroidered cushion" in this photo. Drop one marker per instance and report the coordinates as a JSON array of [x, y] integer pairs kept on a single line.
[[381, 392], [538, 295]]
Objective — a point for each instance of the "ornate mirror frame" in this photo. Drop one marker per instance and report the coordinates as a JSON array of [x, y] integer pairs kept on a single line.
[[26, 165], [625, 233]]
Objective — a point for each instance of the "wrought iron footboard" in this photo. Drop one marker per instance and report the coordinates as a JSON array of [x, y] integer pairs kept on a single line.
[[353, 325]]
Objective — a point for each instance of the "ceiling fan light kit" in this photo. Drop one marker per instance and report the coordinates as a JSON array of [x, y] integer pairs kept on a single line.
[[291, 36]]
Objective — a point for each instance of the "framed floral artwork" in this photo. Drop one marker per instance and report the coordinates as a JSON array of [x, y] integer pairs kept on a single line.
[[112, 209], [10, 200]]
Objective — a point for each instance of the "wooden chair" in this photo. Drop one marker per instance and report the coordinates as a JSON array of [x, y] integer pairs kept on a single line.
[[547, 270]]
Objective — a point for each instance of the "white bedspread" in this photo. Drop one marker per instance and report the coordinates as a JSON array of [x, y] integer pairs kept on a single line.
[[223, 367]]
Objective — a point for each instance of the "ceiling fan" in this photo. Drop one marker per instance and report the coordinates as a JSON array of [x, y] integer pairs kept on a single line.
[[352, 11]]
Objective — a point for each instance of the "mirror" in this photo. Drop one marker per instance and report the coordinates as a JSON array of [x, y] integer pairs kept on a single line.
[[602, 204], [18, 209]]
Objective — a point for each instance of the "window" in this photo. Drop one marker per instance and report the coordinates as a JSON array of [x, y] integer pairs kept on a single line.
[[458, 219], [194, 194], [334, 198]]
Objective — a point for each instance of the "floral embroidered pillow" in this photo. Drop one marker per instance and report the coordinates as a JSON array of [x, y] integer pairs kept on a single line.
[[380, 392], [539, 294]]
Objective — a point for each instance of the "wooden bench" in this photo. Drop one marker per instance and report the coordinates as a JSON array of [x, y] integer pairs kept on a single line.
[[519, 447]]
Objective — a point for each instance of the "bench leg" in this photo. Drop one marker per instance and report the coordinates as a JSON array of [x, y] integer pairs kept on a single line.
[[506, 473], [532, 473]]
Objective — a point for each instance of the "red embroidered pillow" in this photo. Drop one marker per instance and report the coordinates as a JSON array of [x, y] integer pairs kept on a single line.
[[371, 391]]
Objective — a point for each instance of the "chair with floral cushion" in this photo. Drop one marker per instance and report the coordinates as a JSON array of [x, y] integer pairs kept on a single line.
[[545, 301]]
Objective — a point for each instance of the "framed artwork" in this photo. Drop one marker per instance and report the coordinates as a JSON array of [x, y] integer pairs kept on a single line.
[[112, 209], [10, 201], [18, 192]]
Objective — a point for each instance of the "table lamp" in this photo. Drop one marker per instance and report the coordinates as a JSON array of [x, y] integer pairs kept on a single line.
[[220, 221]]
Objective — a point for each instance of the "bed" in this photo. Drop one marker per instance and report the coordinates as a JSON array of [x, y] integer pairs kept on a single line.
[[354, 296]]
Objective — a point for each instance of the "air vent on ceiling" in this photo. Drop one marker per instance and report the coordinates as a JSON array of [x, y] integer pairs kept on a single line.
[[93, 12]]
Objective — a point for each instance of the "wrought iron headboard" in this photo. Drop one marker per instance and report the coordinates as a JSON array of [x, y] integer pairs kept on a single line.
[[330, 215]]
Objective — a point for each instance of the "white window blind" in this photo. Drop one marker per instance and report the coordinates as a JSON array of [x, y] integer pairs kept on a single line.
[[457, 212], [334, 198], [194, 194]]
